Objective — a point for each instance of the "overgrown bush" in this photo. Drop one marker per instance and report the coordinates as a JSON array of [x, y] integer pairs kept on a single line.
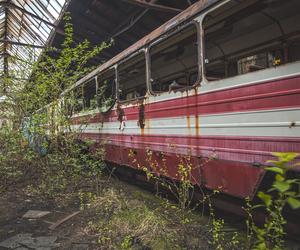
[[38, 137], [14, 159]]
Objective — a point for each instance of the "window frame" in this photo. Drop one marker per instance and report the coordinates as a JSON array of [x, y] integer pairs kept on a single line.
[[134, 54], [80, 87], [83, 93], [203, 43], [261, 47], [97, 78], [168, 35]]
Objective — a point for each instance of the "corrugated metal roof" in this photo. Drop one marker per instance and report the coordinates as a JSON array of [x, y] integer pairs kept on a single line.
[[25, 26]]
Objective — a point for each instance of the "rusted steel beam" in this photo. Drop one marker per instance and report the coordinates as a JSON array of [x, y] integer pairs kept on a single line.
[[153, 6], [6, 41], [8, 55], [5, 58], [4, 54]]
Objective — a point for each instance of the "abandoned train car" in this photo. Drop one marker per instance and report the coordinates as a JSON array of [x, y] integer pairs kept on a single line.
[[221, 79]]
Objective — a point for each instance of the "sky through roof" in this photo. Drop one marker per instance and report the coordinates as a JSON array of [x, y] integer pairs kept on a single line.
[[25, 26]]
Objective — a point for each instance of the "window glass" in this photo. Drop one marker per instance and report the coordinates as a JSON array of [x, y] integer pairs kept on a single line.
[[106, 89], [294, 51], [253, 38], [89, 92], [78, 104], [174, 62], [132, 78]]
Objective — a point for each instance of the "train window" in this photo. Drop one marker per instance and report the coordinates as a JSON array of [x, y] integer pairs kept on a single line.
[[174, 61], [78, 104], [294, 51], [89, 94], [106, 89], [262, 35], [132, 78]]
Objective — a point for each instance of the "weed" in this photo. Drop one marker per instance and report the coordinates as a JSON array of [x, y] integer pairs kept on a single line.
[[123, 223], [284, 191]]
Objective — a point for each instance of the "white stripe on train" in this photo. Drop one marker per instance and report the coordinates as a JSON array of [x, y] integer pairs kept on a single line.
[[279, 123]]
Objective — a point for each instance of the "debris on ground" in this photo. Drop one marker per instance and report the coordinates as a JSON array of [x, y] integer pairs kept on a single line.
[[58, 223], [35, 214], [26, 241]]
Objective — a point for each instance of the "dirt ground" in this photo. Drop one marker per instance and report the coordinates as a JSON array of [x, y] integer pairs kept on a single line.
[[80, 231], [70, 235], [122, 216]]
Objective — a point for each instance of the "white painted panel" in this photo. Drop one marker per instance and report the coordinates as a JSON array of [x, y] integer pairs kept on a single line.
[[282, 123]]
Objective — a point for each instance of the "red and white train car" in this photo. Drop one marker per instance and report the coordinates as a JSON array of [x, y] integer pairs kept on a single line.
[[222, 78]]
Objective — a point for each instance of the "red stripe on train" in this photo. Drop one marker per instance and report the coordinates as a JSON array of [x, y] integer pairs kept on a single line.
[[243, 149], [236, 178], [234, 169], [263, 96]]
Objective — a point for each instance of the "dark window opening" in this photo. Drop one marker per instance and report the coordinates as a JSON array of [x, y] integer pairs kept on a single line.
[[174, 62], [66, 104], [132, 78], [294, 51], [106, 89], [89, 93], [78, 104], [257, 37]]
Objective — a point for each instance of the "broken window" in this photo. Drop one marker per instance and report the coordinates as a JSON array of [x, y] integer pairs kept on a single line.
[[78, 104], [252, 38], [106, 90], [293, 50], [174, 62], [132, 78], [89, 93]]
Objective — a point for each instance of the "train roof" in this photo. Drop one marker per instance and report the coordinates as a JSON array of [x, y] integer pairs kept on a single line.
[[185, 15]]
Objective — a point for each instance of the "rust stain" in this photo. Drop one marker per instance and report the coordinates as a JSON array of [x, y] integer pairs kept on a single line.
[[188, 112], [197, 127], [188, 121], [141, 120], [147, 123], [121, 114]]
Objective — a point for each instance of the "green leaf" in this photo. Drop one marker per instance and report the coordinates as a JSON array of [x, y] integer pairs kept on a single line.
[[290, 193], [266, 198], [279, 177], [257, 206], [285, 157], [294, 203], [275, 170], [292, 181], [281, 186], [276, 163]]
